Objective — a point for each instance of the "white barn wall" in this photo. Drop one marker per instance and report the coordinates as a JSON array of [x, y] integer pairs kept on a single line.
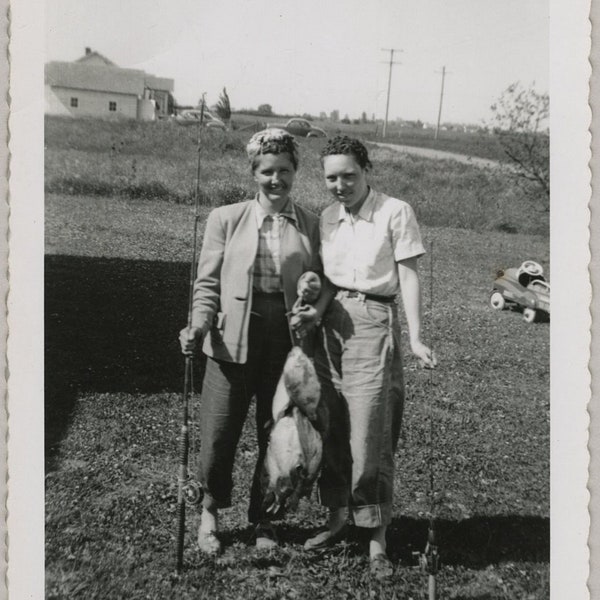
[[53, 105], [95, 103]]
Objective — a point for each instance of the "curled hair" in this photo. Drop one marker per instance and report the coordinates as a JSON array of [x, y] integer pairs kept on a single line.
[[342, 144], [272, 141]]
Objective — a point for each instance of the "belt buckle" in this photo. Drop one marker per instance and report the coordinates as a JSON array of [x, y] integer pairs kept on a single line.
[[354, 294]]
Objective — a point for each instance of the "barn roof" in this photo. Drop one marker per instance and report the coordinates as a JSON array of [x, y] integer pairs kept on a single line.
[[95, 77], [158, 83], [95, 58], [93, 71]]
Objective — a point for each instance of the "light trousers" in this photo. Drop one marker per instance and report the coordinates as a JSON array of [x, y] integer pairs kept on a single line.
[[359, 365]]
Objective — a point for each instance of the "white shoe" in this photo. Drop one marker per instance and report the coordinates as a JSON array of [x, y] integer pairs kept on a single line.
[[381, 566], [209, 543], [325, 538], [266, 538]]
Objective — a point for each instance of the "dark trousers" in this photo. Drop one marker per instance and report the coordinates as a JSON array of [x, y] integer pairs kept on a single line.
[[227, 391]]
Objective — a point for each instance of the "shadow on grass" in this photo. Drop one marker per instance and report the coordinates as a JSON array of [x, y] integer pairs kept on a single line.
[[473, 543], [110, 325]]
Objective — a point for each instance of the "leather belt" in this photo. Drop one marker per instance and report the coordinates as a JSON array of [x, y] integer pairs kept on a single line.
[[366, 296]]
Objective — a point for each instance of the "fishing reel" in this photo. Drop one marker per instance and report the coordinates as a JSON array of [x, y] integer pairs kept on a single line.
[[193, 493], [429, 561]]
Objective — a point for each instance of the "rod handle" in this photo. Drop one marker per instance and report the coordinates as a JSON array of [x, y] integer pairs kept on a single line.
[[432, 587], [180, 531]]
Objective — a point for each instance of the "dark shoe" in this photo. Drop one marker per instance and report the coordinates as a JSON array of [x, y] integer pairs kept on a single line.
[[209, 543], [326, 538], [381, 567], [266, 537]]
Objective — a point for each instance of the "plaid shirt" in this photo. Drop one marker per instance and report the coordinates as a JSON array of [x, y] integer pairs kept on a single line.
[[267, 264]]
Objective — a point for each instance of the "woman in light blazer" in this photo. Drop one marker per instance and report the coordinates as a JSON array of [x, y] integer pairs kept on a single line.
[[252, 256]]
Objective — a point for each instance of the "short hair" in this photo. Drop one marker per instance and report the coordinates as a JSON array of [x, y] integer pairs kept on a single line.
[[272, 141], [342, 144]]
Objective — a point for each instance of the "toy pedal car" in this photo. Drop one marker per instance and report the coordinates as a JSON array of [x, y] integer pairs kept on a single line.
[[524, 288]]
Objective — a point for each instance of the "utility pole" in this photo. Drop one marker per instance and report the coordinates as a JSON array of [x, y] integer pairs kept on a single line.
[[387, 104], [437, 129]]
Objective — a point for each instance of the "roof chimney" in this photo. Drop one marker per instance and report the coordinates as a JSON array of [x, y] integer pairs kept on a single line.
[[88, 50]]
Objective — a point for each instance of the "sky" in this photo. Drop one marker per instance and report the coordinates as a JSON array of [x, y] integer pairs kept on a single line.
[[318, 56]]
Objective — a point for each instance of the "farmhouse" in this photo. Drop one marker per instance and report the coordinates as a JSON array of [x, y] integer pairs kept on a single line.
[[94, 86]]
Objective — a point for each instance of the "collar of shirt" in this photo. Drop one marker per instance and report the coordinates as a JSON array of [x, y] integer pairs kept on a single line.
[[365, 212], [287, 211]]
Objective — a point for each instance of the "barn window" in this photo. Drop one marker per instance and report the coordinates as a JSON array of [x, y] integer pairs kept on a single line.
[[74, 102], [112, 106]]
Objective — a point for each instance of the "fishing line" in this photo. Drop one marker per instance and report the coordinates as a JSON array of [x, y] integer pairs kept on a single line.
[[189, 490], [431, 389], [429, 560]]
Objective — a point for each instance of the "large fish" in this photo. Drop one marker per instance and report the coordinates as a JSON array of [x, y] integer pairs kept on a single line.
[[295, 446]]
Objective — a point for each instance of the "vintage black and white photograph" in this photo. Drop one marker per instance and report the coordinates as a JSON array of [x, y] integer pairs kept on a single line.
[[297, 325]]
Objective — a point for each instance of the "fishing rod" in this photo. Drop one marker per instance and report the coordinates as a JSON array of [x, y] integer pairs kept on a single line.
[[429, 560], [189, 491]]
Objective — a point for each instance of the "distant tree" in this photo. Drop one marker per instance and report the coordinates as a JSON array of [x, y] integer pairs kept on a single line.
[[346, 120], [265, 109], [335, 116], [520, 124], [323, 116], [223, 106], [363, 117]]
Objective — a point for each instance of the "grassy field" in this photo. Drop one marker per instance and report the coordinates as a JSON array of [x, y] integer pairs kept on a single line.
[[158, 161], [116, 277], [477, 144]]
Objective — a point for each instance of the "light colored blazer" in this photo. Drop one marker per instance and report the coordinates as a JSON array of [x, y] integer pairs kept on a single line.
[[222, 297]]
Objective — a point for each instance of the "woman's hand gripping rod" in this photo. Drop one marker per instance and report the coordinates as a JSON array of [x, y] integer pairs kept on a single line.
[[189, 490]]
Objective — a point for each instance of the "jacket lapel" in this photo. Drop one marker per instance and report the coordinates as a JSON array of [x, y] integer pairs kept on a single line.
[[245, 237]]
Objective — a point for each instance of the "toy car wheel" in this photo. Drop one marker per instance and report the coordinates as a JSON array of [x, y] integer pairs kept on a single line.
[[497, 301], [529, 315], [532, 268]]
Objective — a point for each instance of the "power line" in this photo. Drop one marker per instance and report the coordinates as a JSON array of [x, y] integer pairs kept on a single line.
[[387, 104]]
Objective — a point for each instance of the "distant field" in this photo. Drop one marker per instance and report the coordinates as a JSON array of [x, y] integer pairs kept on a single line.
[[159, 160], [481, 145]]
